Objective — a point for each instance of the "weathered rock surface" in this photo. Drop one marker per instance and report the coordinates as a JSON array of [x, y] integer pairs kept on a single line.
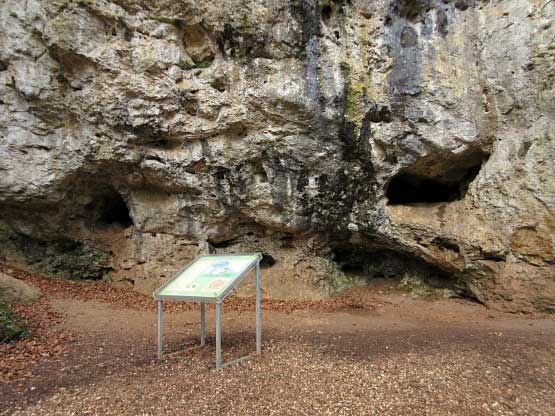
[[13, 290], [343, 139]]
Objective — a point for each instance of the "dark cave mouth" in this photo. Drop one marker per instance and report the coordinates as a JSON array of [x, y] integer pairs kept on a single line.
[[326, 12], [379, 263], [412, 186], [267, 261], [399, 271], [408, 189], [109, 208]]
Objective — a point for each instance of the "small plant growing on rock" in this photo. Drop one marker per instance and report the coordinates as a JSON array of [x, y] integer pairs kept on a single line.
[[12, 327], [205, 63]]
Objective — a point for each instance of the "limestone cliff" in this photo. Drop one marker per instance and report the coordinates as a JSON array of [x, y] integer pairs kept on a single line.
[[343, 139]]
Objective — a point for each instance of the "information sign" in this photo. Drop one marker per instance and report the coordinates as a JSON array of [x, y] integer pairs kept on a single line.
[[208, 276], [209, 279]]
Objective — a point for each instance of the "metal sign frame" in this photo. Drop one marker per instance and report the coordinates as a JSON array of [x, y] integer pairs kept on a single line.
[[217, 300]]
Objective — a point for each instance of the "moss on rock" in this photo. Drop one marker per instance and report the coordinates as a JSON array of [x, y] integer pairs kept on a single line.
[[78, 263], [12, 326], [420, 287], [205, 63]]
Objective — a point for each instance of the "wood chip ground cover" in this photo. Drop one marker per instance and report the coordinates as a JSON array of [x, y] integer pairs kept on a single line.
[[93, 348]]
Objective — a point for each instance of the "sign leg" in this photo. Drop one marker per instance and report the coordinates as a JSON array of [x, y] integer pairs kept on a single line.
[[218, 336], [160, 311], [202, 323], [258, 325]]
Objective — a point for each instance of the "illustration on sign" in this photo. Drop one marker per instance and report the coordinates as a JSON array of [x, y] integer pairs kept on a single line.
[[208, 276]]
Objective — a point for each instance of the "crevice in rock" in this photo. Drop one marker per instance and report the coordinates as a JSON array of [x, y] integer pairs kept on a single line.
[[223, 244], [152, 136], [287, 241], [446, 244], [326, 12], [198, 46], [464, 4], [411, 10], [163, 144], [442, 22], [260, 174], [496, 257], [219, 84], [423, 183]]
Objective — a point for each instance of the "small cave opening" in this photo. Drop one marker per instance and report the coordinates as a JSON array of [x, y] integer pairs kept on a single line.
[[414, 186], [219, 84], [109, 208], [267, 261], [326, 12], [116, 212], [287, 241], [407, 189], [161, 143]]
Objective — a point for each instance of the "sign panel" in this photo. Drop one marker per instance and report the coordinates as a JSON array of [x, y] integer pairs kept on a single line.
[[208, 276]]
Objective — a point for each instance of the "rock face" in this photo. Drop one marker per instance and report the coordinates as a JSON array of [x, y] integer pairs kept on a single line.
[[343, 139], [13, 290]]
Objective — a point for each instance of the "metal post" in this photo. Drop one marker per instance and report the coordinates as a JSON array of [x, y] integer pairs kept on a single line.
[[218, 336], [258, 326], [160, 310], [202, 323]]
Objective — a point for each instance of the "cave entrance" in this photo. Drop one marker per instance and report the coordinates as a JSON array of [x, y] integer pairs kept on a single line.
[[406, 189], [109, 208], [431, 181], [386, 269], [369, 265]]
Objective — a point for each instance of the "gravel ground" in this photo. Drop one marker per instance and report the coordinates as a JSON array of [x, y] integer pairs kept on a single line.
[[406, 356]]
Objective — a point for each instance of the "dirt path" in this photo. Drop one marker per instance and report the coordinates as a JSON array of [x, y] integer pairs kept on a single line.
[[408, 356]]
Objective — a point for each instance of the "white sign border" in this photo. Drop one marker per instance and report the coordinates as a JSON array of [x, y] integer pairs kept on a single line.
[[208, 299]]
